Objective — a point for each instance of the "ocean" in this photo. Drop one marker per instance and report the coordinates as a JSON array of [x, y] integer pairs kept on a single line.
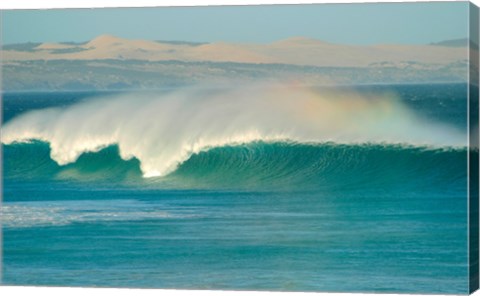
[[354, 189]]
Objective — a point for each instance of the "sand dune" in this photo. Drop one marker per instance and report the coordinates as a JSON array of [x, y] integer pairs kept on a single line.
[[295, 51], [53, 46]]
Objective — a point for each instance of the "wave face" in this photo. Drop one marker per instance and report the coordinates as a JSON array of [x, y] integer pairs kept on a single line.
[[261, 166], [163, 134]]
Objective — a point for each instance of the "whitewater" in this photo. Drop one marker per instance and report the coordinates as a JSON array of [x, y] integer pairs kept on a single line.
[[163, 130]]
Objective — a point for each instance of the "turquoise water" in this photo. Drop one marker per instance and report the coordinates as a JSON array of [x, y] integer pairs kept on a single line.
[[274, 215]]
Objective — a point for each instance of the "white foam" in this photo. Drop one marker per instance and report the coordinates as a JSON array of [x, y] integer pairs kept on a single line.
[[163, 130], [60, 213]]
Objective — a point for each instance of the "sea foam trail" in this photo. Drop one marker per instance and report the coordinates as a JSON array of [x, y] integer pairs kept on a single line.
[[164, 130]]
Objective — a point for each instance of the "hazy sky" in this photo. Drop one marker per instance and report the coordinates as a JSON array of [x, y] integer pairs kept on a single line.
[[408, 23]]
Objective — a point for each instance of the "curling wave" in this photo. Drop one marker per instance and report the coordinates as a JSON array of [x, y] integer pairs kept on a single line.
[[163, 131], [260, 166]]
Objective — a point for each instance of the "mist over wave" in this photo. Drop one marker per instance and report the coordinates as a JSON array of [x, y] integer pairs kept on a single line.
[[164, 130]]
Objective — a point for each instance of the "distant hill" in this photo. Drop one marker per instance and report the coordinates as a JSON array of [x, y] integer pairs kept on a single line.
[[292, 51], [28, 46], [109, 62], [463, 42]]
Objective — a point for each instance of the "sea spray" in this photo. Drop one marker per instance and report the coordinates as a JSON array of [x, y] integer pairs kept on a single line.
[[164, 130]]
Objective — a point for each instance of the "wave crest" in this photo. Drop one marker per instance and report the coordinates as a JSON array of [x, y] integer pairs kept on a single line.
[[258, 166], [164, 130]]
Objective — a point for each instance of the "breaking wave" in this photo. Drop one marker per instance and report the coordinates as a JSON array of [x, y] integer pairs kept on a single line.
[[161, 134], [259, 166]]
